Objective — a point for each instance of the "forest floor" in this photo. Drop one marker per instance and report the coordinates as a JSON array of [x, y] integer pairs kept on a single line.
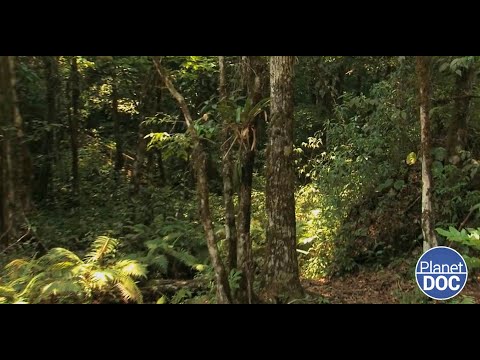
[[386, 286]]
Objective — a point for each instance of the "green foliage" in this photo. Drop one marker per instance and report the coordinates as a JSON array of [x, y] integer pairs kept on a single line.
[[169, 242], [60, 276], [469, 238]]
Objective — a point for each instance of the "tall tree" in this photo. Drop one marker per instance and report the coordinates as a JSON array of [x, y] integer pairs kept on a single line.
[[15, 165], [119, 160], [227, 167], [457, 131], [282, 275], [53, 85], [74, 120], [147, 106], [199, 159], [423, 76], [251, 69]]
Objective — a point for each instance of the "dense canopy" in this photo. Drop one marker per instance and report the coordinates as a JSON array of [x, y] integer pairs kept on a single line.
[[235, 179]]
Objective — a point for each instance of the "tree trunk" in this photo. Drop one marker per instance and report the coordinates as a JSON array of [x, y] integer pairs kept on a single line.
[[199, 159], [251, 70], [282, 275], [423, 75], [457, 131], [145, 110], [15, 165], [227, 169], [52, 82], [116, 125], [74, 120]]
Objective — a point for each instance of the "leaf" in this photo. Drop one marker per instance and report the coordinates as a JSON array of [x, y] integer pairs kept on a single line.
[[238, 115], [475, 207], [467, 300], [385, 185], [444, 67], [162, 300], [398, 184], [411, 158], [439, 153], [200, 267], [443, 232], [458, 72]]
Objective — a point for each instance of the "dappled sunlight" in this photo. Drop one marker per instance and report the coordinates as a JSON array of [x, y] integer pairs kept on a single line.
[[235, 179]]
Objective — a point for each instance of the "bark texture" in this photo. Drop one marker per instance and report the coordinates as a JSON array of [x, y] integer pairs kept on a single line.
[[282, 275], [423, 76], [227, 168], [199, 160]]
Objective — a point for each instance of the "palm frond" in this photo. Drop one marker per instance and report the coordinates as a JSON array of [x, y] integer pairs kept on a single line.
[[102, 246]]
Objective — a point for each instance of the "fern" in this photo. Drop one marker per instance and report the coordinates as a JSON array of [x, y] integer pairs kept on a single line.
[[128, 289], [102, 246], [60, 275], [159, 262], [131, 268], [61, 287]]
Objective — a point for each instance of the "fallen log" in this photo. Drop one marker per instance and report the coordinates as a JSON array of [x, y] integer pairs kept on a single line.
[[158, 287]]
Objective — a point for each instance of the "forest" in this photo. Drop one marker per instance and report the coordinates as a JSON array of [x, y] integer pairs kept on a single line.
[[235, 179]]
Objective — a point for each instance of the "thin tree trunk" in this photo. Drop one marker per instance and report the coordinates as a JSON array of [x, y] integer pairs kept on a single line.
[[282, 275], [227, 169], [116, 125], [52, 80], [74, 120], [251, 69], [15, 170], [145, 109], [423, 75], [161, 168], [200, 162], [457, 131]]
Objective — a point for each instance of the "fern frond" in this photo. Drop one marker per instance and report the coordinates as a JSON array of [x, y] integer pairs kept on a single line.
[[102, 278], [7, 292], [131, 268], [81, 269], [62, 266], [17, 266], [153, 244], [61, 287], [102, 246], [172, 236], [57, 255], [159, 262], [22, 280], [29, 289], [129, 290], [181, 255]]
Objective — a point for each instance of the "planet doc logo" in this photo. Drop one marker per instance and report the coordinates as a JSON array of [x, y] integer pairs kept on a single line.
[[441, 273]]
